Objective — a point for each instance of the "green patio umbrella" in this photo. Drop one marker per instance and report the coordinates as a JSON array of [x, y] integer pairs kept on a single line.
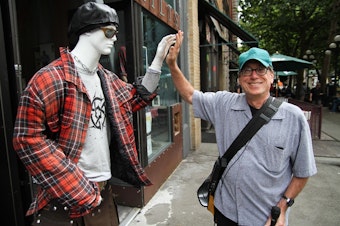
[[288, 63]]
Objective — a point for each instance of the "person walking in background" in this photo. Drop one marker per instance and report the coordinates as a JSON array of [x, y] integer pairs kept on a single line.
[[336, 102], [316, 94], [274, 166], [74, 131]]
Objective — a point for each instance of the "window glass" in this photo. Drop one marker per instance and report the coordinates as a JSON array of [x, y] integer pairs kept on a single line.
[[171, 2], [158, 117]]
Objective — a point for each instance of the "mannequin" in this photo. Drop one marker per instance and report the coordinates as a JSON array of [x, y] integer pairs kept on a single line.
[[74, 127]]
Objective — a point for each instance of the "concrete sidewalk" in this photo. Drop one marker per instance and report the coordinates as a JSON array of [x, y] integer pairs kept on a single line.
[[176, 203]]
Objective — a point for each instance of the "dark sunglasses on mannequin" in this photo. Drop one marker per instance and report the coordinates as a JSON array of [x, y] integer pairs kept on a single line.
[[109, 32]]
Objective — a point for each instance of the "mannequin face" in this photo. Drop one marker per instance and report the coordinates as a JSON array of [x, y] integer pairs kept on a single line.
[[103, 39]]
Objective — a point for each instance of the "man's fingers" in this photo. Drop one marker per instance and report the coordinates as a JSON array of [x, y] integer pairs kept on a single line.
[[180, 37]]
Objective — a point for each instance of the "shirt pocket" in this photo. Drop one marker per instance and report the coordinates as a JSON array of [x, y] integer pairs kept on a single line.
[[274, 158]]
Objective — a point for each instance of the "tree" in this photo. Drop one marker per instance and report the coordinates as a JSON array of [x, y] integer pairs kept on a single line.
[[290, 27]]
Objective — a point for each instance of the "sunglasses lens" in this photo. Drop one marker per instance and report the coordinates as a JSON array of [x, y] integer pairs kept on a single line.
[[109, 33]]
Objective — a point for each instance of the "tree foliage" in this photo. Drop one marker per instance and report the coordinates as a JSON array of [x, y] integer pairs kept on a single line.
[[289, 26]]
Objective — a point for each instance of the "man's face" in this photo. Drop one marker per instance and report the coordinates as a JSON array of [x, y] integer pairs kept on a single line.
[[103, 39], [255, 82]]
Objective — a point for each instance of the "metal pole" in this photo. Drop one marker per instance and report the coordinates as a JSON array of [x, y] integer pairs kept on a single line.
[[336, 46], [336, 64]]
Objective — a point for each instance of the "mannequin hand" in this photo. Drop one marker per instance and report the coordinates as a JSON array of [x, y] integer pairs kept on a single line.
[[100, 200], [162, 51]]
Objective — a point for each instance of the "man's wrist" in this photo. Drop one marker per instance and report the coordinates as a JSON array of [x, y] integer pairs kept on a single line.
[[289, 201]]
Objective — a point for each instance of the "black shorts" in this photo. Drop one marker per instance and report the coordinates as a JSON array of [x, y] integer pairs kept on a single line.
[[221, 220]]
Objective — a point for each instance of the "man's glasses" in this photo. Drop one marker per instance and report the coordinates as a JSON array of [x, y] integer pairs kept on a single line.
[[259, 71], [109, 32]]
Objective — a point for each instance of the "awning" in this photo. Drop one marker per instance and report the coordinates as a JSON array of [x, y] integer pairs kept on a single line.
[[288, 63], [285, 73], [246, 37]]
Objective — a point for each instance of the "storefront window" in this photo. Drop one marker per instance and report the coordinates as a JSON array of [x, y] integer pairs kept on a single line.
[[158, 117]]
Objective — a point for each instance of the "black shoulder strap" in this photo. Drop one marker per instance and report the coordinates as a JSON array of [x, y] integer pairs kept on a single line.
[[262, 117]]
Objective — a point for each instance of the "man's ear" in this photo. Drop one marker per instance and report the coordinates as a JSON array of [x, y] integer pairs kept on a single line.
[[273, 76]]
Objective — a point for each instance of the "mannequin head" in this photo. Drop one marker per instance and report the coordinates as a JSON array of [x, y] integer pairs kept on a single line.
[[90, 17], [100, 40]]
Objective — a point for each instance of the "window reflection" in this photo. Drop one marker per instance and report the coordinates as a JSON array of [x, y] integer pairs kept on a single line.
[[158, 118]]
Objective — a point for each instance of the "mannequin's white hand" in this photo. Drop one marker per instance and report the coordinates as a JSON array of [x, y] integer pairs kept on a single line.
[[162, 51]]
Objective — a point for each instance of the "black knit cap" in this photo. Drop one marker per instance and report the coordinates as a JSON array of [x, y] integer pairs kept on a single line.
[[90, 16]]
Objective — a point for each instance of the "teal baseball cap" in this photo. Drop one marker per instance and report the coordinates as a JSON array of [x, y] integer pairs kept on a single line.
[[255, 53]]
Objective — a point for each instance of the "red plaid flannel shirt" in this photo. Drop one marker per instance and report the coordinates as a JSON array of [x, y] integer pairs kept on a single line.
[[50, 131]]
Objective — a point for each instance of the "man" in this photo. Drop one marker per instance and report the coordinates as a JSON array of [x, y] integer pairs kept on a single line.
[[73, 130], [274, 166], [335, 102], [315, 95]]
